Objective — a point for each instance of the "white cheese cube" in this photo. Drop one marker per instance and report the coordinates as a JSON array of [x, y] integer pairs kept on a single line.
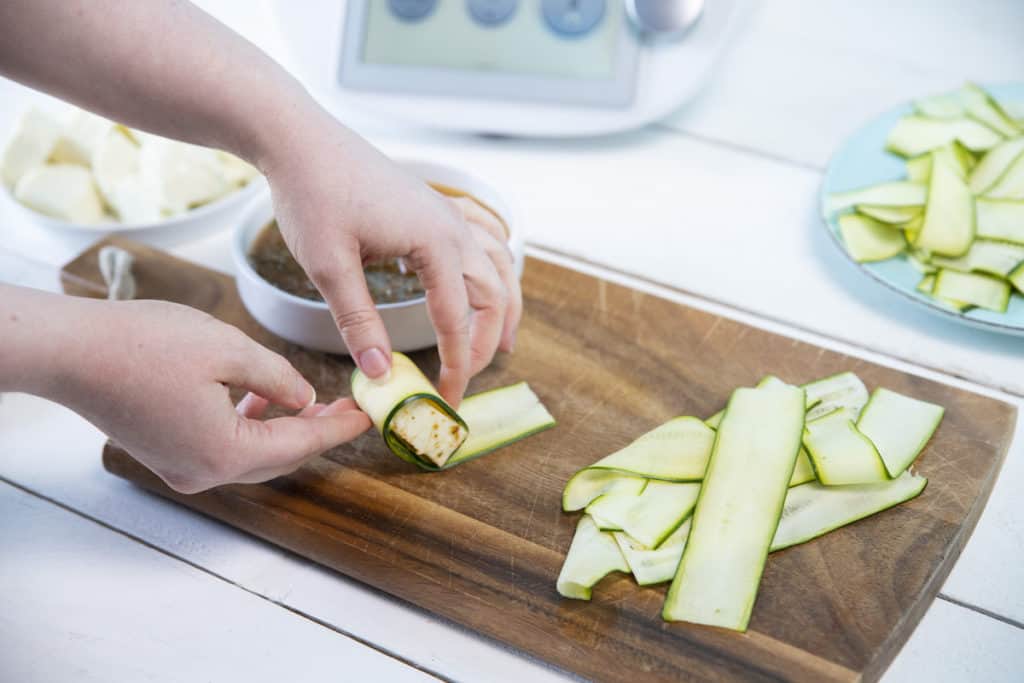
[[116, 158], [31, 145], [130, 200], [64, 191], [181, 175], [428, 430], [82, 135]]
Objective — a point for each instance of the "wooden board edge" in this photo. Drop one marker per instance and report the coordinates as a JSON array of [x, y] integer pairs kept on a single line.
[[898, 637]]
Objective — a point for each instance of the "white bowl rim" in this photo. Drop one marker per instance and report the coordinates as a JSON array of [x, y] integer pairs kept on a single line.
[[240, 195], [258, 204]]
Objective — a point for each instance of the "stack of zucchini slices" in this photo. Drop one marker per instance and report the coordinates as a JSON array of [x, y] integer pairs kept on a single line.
[[702, 503], [958, 216]]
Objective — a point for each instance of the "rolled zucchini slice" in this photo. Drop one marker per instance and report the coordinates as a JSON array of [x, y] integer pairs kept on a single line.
[[421, 428], [417, 424]]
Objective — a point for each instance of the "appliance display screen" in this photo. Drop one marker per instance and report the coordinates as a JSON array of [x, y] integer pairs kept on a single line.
[[573, 40]]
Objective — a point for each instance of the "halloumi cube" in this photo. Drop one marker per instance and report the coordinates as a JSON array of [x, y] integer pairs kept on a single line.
[[131, 201], [81, 137], [116, 158], [181, 175], [31, 145], [64, 191], [428, 430]]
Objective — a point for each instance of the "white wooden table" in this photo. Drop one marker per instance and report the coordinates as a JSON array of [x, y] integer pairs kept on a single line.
[[100, 581]]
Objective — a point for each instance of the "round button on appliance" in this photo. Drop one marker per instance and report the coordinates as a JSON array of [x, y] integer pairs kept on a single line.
[[412, 10], [573, 18], [491, 12]]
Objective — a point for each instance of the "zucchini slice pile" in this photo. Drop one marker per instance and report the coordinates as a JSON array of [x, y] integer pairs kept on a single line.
[[703, 503], [421, 428], [958, 217]]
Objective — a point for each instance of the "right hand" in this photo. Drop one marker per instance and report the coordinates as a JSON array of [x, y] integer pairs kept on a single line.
[[340, 204]]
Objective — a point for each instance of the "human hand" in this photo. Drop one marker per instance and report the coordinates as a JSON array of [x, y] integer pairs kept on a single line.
[[340, 204], [154, 376]]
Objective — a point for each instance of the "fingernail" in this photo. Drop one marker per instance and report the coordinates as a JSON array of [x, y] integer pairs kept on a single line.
[[303, 389], [374, 363]]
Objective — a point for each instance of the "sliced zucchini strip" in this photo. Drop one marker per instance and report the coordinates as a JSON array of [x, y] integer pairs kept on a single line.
[[919, 168], [653, 515], [1011, 184], [843, 390], [948, 226], [658, 565], [587, 484], [974, 289], [1016, 278], [899, 426], [983, 107], [926, 285], [813, 510], [738, 509], [592, 555], [499, 417], [810, 511], [1000, 219], [985, 256], [892, 215], [416, 423], [913, 135], [803, 471], [869, 240], [676, 451], [841, 455], [609, 508], [994, 164], [893, 194]]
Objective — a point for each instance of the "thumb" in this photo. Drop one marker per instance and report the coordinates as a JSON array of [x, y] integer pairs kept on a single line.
[[267, 374], [344, 287], [282, 444]]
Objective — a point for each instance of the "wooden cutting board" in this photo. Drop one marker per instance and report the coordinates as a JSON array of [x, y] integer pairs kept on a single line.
[[482, 544]]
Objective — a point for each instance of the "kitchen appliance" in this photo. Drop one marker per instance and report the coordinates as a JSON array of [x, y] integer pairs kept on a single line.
[[512, 67]]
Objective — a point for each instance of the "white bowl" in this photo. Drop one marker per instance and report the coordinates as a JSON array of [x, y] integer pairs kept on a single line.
[[310, 323], [189, 225]]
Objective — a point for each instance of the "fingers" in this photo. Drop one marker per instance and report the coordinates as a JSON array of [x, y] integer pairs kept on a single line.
[[487, 297], [268, 375], [476, 213], [282, 444], [343, 284], [440, 267], [501, 257]]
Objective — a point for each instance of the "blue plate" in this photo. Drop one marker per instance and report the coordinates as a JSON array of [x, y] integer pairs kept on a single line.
[[862, 161]]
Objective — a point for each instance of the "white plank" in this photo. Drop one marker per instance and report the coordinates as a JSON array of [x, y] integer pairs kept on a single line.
[[54, 452], [955, 644], [81, 602], [801, 75]]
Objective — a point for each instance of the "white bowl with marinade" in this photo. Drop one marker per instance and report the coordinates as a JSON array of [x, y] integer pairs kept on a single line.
[[282, 298]]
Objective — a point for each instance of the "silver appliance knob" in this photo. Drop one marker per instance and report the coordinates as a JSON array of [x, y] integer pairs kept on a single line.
[[664, 18]]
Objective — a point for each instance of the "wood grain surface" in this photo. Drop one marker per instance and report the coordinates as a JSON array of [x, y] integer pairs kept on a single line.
[[482, 544]]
